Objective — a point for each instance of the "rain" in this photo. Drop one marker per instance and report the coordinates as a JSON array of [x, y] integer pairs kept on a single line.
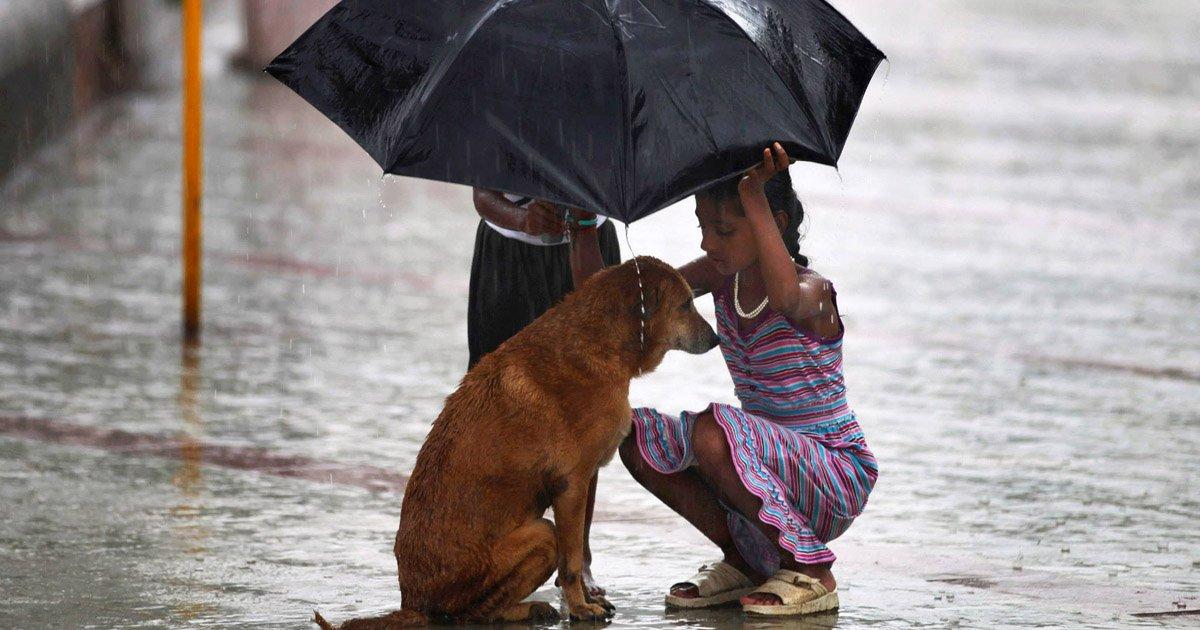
[[1012, 231]]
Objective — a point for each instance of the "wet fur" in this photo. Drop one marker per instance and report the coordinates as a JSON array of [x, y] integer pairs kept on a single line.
[[527, 429]]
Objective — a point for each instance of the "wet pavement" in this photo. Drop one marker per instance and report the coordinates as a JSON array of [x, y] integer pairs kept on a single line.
[[1014, 234]]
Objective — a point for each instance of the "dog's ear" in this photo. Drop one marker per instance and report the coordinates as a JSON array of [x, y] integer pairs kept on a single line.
[[647, 303]]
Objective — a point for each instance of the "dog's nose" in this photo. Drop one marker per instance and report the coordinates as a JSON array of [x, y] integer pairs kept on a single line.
[[703, 341]]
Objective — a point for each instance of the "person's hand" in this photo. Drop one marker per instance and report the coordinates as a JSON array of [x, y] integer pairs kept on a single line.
[[543, 218], [582, 220], [775, 160]]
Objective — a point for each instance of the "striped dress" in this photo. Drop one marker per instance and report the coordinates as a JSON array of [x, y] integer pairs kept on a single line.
[[795, 442]]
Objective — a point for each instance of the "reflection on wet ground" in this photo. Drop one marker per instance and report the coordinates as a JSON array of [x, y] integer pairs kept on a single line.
[[1013, 238]]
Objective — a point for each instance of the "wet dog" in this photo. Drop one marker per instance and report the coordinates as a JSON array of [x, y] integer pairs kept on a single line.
[[526, 430]]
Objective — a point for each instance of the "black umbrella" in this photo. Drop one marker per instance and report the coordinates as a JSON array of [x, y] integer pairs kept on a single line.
[[620, 107]]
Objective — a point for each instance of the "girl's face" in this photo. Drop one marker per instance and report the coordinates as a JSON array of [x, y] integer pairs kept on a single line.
[[725, 235]]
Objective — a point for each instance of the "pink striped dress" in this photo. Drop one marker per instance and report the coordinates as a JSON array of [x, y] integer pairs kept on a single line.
[[795, 442]]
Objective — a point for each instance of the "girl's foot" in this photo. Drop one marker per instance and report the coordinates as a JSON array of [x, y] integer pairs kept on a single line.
[[819, 573], [689, 590], [717, 583]]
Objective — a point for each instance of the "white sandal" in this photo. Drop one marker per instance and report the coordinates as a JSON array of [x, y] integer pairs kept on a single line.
[[716, 583], [798, 595]]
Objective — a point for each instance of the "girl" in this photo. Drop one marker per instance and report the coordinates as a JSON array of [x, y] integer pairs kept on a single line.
[[769, 482]]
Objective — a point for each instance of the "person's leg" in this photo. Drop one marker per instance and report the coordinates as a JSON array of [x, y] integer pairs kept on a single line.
[[687, 494], [715, 466]]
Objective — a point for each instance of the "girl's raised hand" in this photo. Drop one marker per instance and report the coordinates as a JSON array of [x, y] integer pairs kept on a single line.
[[775, 160]]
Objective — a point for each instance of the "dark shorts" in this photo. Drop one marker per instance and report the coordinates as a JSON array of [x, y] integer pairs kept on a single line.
[[512, 283]]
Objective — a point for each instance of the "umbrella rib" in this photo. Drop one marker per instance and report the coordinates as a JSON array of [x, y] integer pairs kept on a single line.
[[432, 79], [804, 106], [626, 116]]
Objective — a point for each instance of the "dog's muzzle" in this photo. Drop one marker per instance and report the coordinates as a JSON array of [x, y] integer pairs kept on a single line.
[[703, 341]]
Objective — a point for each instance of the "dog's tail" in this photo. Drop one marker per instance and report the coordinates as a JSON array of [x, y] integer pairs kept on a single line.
[[320, 621], [395, 619]]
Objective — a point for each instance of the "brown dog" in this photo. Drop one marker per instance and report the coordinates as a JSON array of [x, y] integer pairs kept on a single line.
[[527, 429]]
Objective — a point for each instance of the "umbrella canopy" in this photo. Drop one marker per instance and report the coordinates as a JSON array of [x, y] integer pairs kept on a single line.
[[620, 107]]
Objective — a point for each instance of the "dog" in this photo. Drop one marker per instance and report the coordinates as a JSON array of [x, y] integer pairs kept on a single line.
[[527, 429]]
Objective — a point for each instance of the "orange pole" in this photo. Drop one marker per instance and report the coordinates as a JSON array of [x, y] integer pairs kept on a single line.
[[193, 167]]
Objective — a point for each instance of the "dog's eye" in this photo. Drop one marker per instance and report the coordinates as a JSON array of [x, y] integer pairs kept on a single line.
[[685, 306]]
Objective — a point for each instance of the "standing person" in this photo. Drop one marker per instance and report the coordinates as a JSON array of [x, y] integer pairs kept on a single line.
[[526, 259], [515, 274], [771, 481]]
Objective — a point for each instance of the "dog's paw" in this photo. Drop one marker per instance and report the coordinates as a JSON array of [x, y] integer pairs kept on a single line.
[[543, 611], [590, 612]]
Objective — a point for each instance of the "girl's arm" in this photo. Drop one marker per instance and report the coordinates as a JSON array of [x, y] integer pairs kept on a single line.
[[537, 219], [799, 298], [586, 260], [702, 275]]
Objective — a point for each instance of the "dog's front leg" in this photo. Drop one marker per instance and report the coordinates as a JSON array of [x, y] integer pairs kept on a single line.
[[570, 512]]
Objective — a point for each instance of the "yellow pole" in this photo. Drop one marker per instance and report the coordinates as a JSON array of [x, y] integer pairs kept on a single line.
[[193, 166]]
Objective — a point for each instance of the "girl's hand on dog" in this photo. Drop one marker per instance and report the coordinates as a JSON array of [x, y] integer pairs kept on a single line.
[[543, 218]]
